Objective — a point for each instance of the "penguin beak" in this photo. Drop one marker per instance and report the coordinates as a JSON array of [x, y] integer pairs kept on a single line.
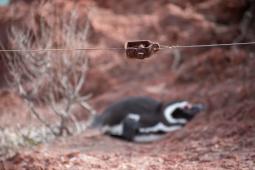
[[196, 108]]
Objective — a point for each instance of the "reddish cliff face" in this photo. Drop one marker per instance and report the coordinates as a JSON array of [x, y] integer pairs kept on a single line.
[[223, 78]]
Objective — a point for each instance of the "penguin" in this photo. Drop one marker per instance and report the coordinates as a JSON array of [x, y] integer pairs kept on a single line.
[[144, 119]]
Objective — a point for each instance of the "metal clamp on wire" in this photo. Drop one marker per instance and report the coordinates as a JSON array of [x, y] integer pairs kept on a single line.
[[140, 49]]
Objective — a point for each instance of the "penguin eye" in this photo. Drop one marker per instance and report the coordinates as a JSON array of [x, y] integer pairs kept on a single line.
[[187, 107]]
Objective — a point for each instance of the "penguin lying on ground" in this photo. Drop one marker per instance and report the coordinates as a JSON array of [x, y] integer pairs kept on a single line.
[[143, 119]]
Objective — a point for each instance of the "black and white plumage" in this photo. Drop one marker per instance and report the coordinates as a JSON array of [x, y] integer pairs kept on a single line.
[[143, 119]]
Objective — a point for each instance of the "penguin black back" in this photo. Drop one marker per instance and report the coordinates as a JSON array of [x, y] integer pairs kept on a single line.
[[137, 105]]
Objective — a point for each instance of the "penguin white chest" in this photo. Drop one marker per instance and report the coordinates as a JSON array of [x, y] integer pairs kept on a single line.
[[159, 127], [113, 130], [118, 129]]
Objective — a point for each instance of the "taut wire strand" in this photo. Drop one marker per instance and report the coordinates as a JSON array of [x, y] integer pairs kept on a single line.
[[119, 49], [206, 45]]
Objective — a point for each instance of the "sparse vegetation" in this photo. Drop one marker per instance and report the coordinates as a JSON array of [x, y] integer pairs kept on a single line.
[[52, 78]]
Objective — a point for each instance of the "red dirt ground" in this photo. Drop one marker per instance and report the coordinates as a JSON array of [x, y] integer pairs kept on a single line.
[[222, 137]]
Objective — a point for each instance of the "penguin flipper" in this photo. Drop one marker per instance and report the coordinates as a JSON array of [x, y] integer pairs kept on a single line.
[[130, 128]]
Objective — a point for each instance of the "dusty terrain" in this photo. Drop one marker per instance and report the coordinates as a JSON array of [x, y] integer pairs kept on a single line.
[[222, 137]]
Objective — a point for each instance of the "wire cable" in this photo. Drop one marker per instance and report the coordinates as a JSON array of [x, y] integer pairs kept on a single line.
[[120, 48], [206, 45], [60, 49]]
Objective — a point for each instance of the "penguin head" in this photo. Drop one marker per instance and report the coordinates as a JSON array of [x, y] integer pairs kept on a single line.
[[181, 112]]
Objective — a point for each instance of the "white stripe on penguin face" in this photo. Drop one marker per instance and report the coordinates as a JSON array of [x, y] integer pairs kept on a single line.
[[168, 112]]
